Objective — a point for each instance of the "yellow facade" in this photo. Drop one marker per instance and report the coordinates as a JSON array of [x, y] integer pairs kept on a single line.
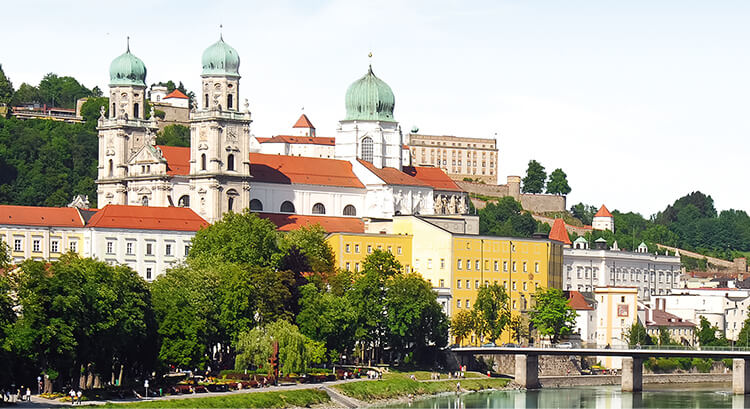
[[520, 265], [350, 249], [42, 243]]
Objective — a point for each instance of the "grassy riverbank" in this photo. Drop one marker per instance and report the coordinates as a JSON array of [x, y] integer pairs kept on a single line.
[[283, 399], [402, 386]]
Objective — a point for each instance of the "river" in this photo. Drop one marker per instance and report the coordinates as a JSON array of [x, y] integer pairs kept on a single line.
[[704, 395]]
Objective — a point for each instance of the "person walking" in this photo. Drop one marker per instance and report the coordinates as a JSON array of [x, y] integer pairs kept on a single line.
[[79, 394], [72, 394], [28, 394]]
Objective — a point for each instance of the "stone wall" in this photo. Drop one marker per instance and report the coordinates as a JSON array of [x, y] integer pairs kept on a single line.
[[543, 203], [548, 365], [535, 203]]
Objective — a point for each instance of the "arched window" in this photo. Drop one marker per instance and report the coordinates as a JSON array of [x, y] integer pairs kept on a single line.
[[318, 208], [287, 207], [256, 205], [350, 210], [367, 150], [203, 161], [144, 201], [183, 201], [205, 101], [135, 110], [229, 101], [231, 195], [230, 162], [111, 168], [113, 114]]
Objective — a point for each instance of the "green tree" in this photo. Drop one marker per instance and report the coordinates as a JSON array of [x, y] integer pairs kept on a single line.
[[462, 325], [91, 109], [328, 318], [61, 92], [584, 213], [296, 351], [6, 88], [519, 327], [665, 338], [637, 335], [552, 315], [743, 339], [506, 218], [535, 177], [311, 240], [174, 135], [558, 183], [491, 311], [26, 94], [707, 334]]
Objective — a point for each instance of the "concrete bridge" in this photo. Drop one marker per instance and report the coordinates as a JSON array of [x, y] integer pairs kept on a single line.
[[527, 362]]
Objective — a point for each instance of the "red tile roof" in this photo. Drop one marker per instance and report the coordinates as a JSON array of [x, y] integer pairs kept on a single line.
[[40, 216], [393, 176], [559, 232], [331, 224], [659, 318], [176, 94], [312, 140], [577, 302], [303, 122], [178, 159], [434, 177], [603, 212], [302, 170], [147, 218]]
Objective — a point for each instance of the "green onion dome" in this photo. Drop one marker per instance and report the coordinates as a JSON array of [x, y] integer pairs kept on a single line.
[[369, 99], [127, 69], [221, 59]]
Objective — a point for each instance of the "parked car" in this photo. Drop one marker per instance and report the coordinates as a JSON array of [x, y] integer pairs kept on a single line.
[[510, 345], [489, 345], [565, 345]]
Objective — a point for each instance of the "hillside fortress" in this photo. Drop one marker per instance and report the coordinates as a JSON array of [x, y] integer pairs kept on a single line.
[[370, 175]]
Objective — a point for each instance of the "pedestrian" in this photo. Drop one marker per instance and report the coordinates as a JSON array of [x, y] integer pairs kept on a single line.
[[72, 394], [28, 394], [79, 394], [458, 387]]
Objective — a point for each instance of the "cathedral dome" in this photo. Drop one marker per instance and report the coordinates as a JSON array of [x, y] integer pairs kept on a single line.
[[127, 69], [221, 59], [369, 99]]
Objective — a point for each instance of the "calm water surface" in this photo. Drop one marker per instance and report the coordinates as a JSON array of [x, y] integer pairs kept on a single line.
[[705, 395]]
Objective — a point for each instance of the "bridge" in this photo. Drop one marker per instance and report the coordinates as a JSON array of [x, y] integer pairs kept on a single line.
[[527, 362]]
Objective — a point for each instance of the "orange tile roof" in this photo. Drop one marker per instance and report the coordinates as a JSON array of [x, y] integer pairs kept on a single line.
[[559, 232], [393, 176], [176, 94], [577, 301], [178, 159], [303, 122], [313, 140], [603, 212], [302, 170], [147, 218], [331, 224], [434, 177], [40, 216], [659, 318]]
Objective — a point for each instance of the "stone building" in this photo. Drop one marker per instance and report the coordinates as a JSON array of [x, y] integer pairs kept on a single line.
[[474, 158]]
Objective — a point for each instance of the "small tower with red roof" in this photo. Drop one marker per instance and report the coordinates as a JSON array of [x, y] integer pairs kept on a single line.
[[304, 127], [603, 220]]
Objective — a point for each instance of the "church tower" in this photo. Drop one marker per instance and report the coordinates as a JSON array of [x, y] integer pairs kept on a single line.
[[124, 131], [369, 131], [220, 138]]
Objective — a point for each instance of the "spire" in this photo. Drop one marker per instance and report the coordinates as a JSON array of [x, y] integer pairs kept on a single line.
[[127, 41], [369, 55], [221, 34]]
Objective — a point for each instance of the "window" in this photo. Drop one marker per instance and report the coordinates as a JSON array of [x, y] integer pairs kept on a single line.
[[476, 265], [458, 283], [230, 101], [111, 168], [367, 150], [287, 207], [468, 264], [514, 267], [429, 263], [442, 263], [318, 208], [110, 247], [205, 100], [183, 201], [458, 303], [524, 267], [505, 266], [347, 266], [135, 110], [73, 246], [54, 246], [144, 201], [187, 250], [230, 162], [369, 249], [356, 248], [36, 246], [348, 248], [203, 161], [442, 283], [256, 205], [390, 249], [458, 264], [350, 210], [476, 284], [467, 303], [468, 284], [536, 268], [496, 265], [525, 288], [149, 249], [168, 249], [356, 267], [113, 114], [398, 250], [514, 304], [129, 248], [514, 286]]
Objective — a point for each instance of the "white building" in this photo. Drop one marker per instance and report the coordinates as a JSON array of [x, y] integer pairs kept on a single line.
[[586, 321], [726, 308], [603, 220], [616, 312], [217, 173], [585, 268]]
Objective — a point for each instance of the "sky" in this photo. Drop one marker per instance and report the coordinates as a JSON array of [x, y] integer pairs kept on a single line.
[[639, 102]]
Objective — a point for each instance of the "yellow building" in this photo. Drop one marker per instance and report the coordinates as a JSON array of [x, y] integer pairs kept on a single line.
[[42, 233], [616, 312], [350, 249]]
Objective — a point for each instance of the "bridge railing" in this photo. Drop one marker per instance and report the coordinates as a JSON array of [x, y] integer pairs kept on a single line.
[[655, 347]]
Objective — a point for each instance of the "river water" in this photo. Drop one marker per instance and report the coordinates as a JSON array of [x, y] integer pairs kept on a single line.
[[704, 395]]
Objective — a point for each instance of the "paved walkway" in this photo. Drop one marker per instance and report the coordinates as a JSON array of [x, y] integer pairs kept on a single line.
[[37, 402]]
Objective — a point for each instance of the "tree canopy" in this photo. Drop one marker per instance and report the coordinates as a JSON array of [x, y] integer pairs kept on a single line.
[[558, 183], [6, 88], [506, 218], [174, 135], [535, 178], [492, 312], [552, 316]]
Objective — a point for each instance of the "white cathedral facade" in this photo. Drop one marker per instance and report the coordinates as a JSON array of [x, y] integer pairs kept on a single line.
[[369, 176]]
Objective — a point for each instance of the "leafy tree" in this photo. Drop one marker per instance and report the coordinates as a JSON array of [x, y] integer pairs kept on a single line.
[[558, 183], [91, 109], [584, 213], [506, 218], [296, 351], [491, 311], [519, 327], [328, 318], [6, 88], [707, 334], [311, 240], [237, 238], [174, 135], [665, 338], [61, 92], [535, 177], [462, 324], [552, 315], [637, 335], [25, 95], [743, 339]]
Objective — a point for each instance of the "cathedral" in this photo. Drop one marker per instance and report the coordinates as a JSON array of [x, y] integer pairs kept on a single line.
[[369, 176]]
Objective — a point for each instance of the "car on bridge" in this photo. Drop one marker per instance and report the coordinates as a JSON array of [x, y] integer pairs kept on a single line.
[[565, 345]]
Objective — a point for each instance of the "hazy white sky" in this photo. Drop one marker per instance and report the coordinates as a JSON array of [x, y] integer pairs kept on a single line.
[[639, 102]]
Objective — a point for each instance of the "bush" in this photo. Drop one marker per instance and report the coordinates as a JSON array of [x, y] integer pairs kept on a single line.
[[703, 365]]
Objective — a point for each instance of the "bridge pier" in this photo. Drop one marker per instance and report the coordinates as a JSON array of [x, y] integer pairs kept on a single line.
[[740, 376], [527, 371], [632, 374]]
